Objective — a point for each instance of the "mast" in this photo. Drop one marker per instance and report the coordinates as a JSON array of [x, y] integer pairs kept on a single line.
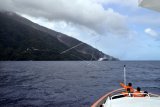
[[125, 74]]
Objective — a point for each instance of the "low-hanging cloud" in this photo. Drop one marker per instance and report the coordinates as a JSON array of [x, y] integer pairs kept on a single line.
[[88, 13]]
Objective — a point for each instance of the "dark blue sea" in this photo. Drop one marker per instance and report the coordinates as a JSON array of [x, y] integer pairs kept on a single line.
[[70, 83]]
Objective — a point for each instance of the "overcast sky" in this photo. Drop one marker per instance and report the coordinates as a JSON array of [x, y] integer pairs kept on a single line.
[[117, 27]]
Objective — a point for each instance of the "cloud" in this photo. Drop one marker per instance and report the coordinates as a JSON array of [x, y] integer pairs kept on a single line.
[[87, 13], [151, 32], [128, 3]]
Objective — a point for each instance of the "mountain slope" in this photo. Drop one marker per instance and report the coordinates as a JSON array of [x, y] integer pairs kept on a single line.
[[21, 39]]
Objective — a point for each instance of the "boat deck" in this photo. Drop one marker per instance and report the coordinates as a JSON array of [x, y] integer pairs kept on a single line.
[[133, 102], [114, 99]]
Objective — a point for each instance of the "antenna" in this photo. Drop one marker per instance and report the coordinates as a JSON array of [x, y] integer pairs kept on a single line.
[[125, 74]]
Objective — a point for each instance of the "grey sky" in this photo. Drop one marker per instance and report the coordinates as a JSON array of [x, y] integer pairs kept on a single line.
[[86, 13]]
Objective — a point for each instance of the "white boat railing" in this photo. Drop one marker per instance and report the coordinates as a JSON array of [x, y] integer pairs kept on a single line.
[[102, 100], [129, 95], [153, 95], [142, 94]]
